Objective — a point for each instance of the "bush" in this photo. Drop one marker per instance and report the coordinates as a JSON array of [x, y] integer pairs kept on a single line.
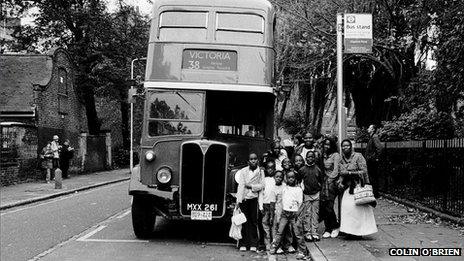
[[362, 135], [120, 157], [294, 124], [419, 124], [459, 122]]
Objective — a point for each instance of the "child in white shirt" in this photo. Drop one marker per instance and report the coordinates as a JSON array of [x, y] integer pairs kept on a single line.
[[287, 236], [267, 202], [292, 198], [250, 183]]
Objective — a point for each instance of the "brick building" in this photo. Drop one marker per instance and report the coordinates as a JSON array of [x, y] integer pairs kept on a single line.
[[38, 99]]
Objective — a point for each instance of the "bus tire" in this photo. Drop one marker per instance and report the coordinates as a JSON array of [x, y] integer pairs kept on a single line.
[[143, 216]]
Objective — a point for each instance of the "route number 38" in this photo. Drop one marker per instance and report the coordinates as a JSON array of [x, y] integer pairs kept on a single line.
[[195, 65]]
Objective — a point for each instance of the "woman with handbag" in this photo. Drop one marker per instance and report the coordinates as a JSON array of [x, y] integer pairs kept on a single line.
[[357, 218]]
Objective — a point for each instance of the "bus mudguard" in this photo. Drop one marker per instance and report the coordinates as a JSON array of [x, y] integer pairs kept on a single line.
[[136, 187]]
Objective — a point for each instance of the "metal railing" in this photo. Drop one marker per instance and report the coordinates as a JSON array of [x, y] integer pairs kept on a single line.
[[429, 172]]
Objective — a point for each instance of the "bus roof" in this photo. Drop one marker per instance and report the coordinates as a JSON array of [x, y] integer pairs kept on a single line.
[[256, 4]]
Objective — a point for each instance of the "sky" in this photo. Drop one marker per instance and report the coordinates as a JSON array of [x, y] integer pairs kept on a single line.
[[144, 5]]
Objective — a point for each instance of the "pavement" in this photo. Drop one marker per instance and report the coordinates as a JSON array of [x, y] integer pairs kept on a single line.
[[398, 225], [26, 193]]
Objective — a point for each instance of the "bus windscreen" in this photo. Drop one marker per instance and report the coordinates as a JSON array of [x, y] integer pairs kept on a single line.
[[175, 113]]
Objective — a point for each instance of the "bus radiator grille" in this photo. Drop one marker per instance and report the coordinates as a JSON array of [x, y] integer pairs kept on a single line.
[[203, 177]]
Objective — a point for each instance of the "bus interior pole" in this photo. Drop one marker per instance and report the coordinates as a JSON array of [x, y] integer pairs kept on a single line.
[[340, 109]]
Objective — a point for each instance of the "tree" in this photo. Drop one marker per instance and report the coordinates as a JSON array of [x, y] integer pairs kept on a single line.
[[127, 40], [374, 82], [81, 26], [102, 46], [449, 76]]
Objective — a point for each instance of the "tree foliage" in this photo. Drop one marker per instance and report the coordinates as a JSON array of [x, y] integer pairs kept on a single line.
[[391, 81], [294, 124], [128, 40], [449, 76], [419, 124], [101, 45]]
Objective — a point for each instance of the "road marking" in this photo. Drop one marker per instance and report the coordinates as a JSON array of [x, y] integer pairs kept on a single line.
[[61, 198], [48, 251], [114, 240], [124, 214], [76, 237], [86, 238], [91, 233]]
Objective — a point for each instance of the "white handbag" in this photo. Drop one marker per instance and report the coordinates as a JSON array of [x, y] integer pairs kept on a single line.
[[238, 218], [235, 231], [363, 194]]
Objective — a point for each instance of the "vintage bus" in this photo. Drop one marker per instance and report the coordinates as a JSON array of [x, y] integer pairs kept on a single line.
[[209, 101]]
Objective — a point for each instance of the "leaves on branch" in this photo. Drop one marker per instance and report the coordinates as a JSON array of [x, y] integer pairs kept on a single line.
[[407, 34]]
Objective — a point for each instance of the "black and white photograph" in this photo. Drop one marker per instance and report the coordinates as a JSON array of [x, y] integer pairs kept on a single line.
[[280, 130]]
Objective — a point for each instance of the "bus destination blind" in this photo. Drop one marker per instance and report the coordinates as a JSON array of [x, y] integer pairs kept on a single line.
[[209, 60]]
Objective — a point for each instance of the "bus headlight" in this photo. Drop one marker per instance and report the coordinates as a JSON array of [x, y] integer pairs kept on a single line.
[[150, 155], [164, 175]]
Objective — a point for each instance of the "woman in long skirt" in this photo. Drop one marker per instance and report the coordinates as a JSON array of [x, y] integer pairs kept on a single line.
[[357, 220]]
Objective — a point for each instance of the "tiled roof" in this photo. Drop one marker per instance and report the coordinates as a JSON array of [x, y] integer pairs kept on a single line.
[[18, 75]]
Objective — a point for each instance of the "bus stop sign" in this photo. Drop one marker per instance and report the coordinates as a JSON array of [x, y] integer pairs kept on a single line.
[[358, 33]]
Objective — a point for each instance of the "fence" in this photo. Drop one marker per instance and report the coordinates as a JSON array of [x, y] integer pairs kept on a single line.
[[429, 172]]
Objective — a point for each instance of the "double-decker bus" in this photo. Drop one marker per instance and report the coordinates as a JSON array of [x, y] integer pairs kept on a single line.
[[209, 102]]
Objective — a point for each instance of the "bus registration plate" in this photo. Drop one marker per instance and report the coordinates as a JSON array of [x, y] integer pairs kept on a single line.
[[201, 215]]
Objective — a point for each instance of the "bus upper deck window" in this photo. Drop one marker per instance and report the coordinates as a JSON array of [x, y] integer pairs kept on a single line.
[[239, 28], [183, 26]]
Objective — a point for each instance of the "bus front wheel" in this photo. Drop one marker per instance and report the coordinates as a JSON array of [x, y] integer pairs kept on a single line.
[[143, 216]]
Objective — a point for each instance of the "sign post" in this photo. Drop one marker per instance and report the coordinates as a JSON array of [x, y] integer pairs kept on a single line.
[[357, 32], [340, 109]]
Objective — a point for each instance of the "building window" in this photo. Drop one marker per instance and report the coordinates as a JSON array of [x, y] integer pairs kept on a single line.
[[62, 82], [62, 91]]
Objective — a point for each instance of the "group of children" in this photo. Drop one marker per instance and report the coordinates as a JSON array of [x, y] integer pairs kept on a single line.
[[289, 203], [290, 195]]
